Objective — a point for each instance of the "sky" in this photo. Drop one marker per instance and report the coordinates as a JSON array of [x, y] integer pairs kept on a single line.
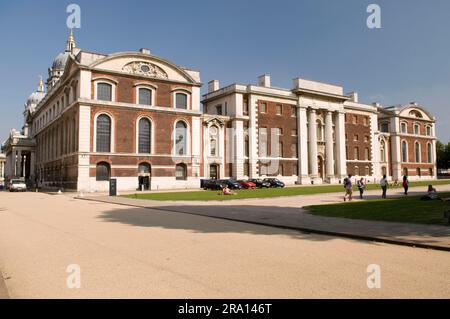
[[407, 59]]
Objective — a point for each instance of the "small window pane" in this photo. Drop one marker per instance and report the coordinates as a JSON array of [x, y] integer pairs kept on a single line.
[[104, 92], [181, 101], [145, 97]]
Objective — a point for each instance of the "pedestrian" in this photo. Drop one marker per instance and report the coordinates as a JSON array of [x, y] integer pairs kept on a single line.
[[348, 188], [384, 184], [361, 187], [405, 184]]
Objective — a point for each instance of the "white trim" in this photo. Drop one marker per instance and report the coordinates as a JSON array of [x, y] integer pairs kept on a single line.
[[113, 132]]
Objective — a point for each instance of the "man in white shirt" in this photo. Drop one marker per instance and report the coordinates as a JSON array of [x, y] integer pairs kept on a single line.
[[384, 184]]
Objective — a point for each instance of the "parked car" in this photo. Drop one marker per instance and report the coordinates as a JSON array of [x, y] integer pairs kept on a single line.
[[274, 182], [232, 184], [213, 184], [247, 184], [260, 183], [17, 185]]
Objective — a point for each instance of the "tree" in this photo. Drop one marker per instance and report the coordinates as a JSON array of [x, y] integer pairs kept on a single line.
[[443, 155]]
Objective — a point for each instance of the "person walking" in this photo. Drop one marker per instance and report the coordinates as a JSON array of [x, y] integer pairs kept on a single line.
[[361, 187], [348, 188], [383, 184], [405, 184]]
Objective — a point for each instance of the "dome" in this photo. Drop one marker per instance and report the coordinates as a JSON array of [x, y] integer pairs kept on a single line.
[[35, 98], [60, 60]]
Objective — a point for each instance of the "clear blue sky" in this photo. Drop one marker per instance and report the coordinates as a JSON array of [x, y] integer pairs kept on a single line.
[[408, 59]]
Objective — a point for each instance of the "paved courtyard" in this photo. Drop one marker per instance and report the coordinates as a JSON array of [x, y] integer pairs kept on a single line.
[[137, 252]]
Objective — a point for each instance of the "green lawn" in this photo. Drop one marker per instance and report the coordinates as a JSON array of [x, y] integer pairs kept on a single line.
[[402, 209], [262, 193]]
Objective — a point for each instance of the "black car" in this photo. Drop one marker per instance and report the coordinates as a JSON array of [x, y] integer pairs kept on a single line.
[[260, 183], [232, 184], [274, 182], [213, 184]]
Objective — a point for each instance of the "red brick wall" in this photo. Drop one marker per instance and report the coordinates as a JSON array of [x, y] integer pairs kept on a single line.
[[362, 131]]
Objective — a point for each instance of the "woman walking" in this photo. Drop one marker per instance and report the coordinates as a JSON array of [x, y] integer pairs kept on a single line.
[[361, 187]]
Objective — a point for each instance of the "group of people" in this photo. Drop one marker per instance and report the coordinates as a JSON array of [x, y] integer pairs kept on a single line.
[[361, 184]]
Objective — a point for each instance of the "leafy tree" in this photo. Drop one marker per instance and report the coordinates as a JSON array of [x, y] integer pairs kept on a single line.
[[443, 155]]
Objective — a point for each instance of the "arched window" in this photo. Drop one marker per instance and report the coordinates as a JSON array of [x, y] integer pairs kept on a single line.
[[181, 172], [404, 128], [428, 131], [181, 100], [430, 153], [144, 168], [103, 141], [213, 146], [384, 127], [145, 136], [181, 138], [104, 91], [404, 152], [383, 151], [319, 131], [417, 152], [102, 172], [145, 96]]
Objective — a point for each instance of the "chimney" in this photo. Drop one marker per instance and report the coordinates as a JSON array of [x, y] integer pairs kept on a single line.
[[353, 96], [213, 85], [264, 80], [144, 51]]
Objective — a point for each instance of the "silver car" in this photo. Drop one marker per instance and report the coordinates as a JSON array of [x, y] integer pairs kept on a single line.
[[17, 185]]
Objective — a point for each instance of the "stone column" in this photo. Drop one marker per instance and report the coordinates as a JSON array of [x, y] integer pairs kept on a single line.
[[340, 145], [302, 145], [253, 137], [313, 142], [237, 146], [329, 146]]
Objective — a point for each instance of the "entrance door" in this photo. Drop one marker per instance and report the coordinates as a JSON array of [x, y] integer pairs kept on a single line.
[[144, 176], [214, 171], [320, 167]]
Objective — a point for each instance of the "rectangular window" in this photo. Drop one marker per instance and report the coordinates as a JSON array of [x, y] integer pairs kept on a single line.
[[279, 109], [294, 132], [246, 148], [219, 109], [293, 111], [181, 101], [356, 153], [366, 121], [263, 142], [145, 97], [294, 150], [356, 138], [245, 107], [246, 169], [104, 92], [355, 119], [263, 107]]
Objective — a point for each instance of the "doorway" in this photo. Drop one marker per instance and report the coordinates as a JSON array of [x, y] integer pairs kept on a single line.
[[144, 176], [214, 171], [320, 168]]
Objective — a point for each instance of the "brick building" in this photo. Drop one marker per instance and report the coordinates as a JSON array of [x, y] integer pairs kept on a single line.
[[141, 119]]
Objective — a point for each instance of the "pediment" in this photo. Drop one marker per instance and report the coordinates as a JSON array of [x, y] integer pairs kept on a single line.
[[214, 121]]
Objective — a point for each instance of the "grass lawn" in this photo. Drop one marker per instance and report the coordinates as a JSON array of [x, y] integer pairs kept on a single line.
[[262, 193], [402, 209]]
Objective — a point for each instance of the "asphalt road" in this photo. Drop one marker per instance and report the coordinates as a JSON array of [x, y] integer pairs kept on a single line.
[[125, 252]]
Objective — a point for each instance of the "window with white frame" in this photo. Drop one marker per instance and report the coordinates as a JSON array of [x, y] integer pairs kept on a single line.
[[145, 96], [103, 138], [181, 100], [417, 152], [144, 136], [403, 128], [104, 91], [404, 152], [430, 153], [416, 129], [181, 138]]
